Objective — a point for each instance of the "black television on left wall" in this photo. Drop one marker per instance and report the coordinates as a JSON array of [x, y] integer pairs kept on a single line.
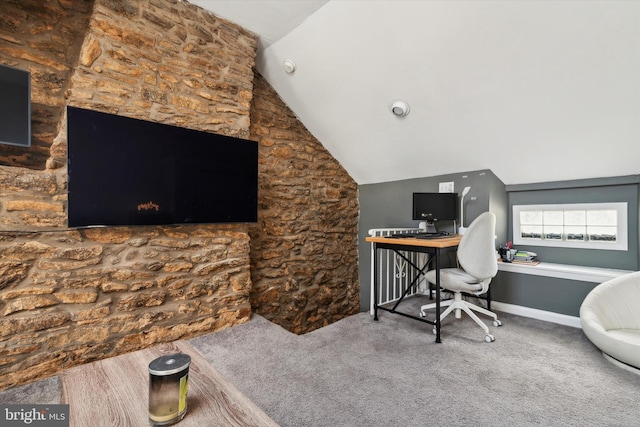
[[126, 171], [15, 106]]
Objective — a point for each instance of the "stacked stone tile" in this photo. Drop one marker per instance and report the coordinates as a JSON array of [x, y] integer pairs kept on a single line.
[[72, 296]]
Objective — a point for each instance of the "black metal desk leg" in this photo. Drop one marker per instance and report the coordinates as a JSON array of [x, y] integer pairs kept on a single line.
[[437, 255], [375, 281]]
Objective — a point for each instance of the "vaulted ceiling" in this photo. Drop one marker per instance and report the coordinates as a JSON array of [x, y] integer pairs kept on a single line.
[[536, 91]]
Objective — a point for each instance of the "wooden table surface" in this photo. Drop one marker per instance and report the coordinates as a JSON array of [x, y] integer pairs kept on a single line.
[[440, 242], [115, 392]]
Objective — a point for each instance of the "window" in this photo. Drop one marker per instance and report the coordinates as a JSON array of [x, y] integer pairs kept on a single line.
[[587, 225]]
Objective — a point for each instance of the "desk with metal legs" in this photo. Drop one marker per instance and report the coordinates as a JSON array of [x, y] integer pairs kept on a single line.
[[431, 246]]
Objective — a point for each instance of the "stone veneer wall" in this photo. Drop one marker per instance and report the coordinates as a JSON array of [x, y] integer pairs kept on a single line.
[[72, 296], [44, 38], [304, 259]]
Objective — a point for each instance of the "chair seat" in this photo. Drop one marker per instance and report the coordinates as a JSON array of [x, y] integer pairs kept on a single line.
[[456, 280], [630, 336]]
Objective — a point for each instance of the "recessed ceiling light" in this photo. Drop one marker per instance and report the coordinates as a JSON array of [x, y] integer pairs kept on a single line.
[[289, 66], [400, 108]]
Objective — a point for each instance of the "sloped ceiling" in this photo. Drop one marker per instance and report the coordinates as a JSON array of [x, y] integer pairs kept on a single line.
[[536, 91]]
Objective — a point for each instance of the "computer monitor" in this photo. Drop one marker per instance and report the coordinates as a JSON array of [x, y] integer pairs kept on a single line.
[[433, 207]]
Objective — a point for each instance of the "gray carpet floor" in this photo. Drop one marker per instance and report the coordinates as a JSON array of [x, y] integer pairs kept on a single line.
[[359, 372]]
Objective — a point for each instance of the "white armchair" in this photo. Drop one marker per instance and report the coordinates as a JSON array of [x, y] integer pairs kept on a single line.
[[610, 317]]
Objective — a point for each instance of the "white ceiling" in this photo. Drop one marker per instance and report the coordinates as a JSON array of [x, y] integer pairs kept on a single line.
[[536, 91]]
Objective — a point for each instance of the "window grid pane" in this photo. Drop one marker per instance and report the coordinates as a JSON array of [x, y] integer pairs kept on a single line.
[[571, 225], [553, 232], [553, 218], [576, 232], [575, 217], [601, 226], [531, 232], [603, 234], [602, 217], [531, 217]]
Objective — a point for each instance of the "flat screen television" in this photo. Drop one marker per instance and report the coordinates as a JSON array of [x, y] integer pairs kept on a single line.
[[433, 207], [125, 171], [15, 106]]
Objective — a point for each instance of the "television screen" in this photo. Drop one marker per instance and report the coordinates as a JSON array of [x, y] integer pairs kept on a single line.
[[432, 207], [125, 171], [15, 106]]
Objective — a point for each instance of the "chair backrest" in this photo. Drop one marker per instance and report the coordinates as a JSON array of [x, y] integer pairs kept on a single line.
[[477, 252]]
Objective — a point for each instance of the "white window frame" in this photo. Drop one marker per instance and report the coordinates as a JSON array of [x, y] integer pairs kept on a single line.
[[621, 243]]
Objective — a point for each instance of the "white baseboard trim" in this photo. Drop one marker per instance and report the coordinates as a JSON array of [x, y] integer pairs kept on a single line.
[[534, 313]]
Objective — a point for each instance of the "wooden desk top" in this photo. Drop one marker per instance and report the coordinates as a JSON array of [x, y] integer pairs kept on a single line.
[[441, 242], [115, 392]]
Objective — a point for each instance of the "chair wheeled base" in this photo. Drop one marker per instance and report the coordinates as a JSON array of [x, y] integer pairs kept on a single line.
[[458, 304]]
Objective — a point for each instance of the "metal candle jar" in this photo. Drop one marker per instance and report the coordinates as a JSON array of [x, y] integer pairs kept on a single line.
[[168, 384]]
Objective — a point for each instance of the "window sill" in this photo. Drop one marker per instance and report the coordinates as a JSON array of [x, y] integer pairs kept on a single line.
[[564, 271]]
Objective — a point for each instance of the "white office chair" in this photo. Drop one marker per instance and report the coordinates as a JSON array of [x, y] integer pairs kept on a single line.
[[477, 266]]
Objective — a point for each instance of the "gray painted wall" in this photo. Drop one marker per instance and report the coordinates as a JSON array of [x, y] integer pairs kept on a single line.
[[543, 293], [388, 205], [620, 189], [561, 295]]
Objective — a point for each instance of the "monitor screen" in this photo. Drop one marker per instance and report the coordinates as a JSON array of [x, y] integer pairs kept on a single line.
[[431, 207], [15, 106]]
